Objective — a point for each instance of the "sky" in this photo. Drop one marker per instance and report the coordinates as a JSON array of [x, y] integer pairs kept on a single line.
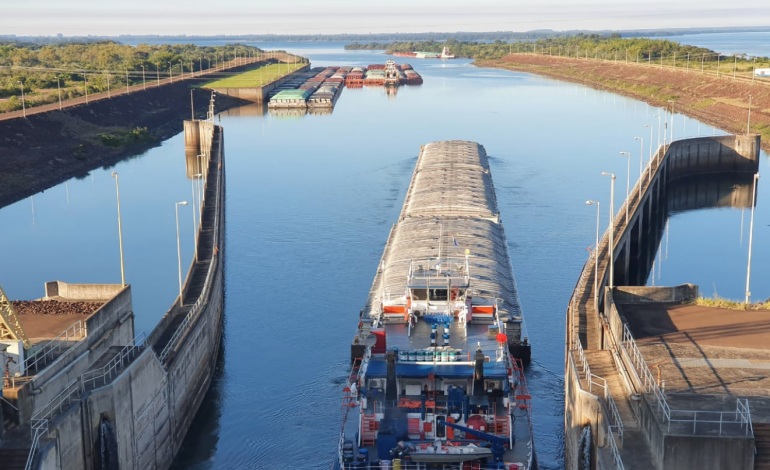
[[204, 17]]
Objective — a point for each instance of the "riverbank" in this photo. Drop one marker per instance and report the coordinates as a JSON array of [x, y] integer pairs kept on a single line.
[[718, 101], [46, 149]]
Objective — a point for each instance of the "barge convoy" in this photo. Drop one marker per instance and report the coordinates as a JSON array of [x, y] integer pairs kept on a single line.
[[437, 379], [321, 87]]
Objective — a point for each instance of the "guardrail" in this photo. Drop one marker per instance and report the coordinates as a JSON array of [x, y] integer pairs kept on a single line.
[[741, 416], [49, 350], [615, 423], [202, 298], [41, 419], [116, 364]]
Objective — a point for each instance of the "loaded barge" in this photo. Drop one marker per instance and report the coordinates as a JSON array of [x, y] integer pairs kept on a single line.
[[437, 378]]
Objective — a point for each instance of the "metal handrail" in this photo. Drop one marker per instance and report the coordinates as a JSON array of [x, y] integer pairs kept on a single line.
[[76, 330], [128, 353], [741, 416], [182, 328]]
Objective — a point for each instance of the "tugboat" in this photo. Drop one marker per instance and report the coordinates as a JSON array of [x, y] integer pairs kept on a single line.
[[392, 74], [437, 380]]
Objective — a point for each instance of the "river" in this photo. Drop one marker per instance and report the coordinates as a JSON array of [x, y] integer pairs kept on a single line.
[[310, 201]]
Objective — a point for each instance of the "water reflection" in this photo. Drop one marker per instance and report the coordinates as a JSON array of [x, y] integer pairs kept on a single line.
[[683, 197]]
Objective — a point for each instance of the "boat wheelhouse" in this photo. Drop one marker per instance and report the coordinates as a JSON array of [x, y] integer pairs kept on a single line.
[[437, 379]]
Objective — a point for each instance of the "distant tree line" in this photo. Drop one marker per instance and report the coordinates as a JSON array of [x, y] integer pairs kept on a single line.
[[97, 65], [607, 47]]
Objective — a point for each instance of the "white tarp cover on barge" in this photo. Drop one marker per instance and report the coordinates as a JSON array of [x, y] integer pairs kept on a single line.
[[450, 207]]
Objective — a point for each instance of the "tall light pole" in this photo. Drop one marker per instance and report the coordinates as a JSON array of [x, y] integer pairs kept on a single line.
[[672, 122], [178, 248], [596, 254], [58, 88], [641, 157], [120, 232], [658, 116], [751, 234], [23, 104], [195, 203], [612, 227], [144, 81], [157, 73], [628, 181]]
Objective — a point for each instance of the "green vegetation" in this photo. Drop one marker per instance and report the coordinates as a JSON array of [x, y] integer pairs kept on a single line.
[[255, 78], [720, 302], [610, 47], [126, 138], [98, 65]]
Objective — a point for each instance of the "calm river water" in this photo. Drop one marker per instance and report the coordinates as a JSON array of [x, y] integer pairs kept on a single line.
[[310, 201]]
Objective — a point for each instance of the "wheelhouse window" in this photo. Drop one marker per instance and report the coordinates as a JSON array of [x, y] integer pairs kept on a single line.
[[438, 294], [419, 294]]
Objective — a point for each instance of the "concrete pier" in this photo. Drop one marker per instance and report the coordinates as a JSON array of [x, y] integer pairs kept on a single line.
[[100, 396], [259, 94], [616, 411]]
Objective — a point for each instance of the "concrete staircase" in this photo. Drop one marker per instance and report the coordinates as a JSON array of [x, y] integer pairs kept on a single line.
[[602, 364], [762, 442]]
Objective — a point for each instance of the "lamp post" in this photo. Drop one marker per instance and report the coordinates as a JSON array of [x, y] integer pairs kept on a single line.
[[671, 139], [23, 104], [178, 248], [58, 88], [628, 181], [641, 157], [195, 228], [120, 232], [751, 234], [658, 116], [596, 254], [612, 228], [170, 75], [157, 73], [144, 81], [85, 83]]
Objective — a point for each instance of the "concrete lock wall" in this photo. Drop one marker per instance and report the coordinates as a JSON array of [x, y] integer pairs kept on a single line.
[[634, 294], [111, 325], [708, 453], [722, 154], [149, 405], [581, 408], [259, 94]]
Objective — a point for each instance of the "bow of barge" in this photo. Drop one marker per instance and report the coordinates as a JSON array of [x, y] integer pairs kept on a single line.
[[438, 356]]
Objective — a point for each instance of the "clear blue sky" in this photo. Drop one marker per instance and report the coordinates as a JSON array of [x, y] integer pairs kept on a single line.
[[207, 17]]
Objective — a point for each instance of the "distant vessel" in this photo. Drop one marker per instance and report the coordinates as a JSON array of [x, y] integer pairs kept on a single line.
[[427, 55]]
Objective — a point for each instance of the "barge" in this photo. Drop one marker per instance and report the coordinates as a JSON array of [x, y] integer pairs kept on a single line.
[[437, 379]]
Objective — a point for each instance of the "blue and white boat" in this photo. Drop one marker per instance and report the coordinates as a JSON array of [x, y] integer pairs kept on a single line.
[[438, 357]]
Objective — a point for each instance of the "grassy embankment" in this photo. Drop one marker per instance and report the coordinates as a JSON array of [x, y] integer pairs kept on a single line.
[[720, 302], [254, 78], [720, 101]]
